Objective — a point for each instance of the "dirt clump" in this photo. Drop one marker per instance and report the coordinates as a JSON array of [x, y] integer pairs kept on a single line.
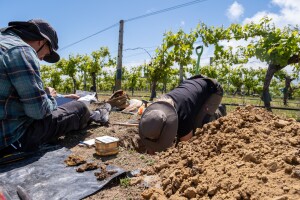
[[248, 154], [104, 173], [74, 160], [87, 167]]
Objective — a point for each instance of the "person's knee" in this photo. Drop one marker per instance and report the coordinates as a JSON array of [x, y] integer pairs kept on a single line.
[[83, 112], [79, 107], [85, 109]]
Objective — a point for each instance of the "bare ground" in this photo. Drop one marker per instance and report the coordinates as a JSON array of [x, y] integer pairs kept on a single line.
[[249, 154], [127, 158]]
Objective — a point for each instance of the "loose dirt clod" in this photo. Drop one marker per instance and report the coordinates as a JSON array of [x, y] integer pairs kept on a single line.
[[249, 154], [87, 167], [74, 160], [104, 173]]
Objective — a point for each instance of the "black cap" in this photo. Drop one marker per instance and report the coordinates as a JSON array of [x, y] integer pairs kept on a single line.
[[46, 31]]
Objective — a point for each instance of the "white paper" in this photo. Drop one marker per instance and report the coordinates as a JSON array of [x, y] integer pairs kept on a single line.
[[90, 142], [82, 93], [107, 139]]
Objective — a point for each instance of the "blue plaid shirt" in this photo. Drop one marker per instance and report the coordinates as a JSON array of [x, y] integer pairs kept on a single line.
[[22, 95]]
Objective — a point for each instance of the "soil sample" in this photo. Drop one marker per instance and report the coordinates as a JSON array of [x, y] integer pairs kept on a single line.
[[104, 173], [74, 160], [87, 167]]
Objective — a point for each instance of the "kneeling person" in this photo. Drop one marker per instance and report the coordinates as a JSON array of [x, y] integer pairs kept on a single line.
[[178, 114]]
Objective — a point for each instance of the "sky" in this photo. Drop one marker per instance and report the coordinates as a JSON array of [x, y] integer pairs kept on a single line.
[[75, 20]]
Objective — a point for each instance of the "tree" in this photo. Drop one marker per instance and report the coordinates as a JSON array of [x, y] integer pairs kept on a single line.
[[277, 47], [135, 73], [158, 68], [236, 79], [84, 66], [293, 88], [209, 71], [175, 48], [108, 81], [287, 79], [223, 74], [180, 45], [260, 77], [51, 76], [250, 78], [66, 86], [45, 74], [100, 59], [70, 67]]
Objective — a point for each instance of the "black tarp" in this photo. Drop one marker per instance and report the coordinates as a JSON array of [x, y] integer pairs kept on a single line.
[[45, 176]]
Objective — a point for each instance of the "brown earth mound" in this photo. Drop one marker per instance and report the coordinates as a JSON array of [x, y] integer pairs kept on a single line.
[[249, 154]]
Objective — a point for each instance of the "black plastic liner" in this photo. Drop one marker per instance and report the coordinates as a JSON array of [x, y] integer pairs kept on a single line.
[[45, 176]]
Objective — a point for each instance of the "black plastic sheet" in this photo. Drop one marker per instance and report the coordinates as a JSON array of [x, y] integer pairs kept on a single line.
[[45, 176]]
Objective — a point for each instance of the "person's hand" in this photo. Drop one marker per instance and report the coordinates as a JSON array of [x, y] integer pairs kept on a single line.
[[72, 96], [51, 91]]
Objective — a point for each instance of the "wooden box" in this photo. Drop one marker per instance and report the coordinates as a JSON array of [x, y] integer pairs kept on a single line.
[[106, 145]]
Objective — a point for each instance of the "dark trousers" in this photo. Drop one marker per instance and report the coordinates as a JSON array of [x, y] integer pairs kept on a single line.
[[69, 117]]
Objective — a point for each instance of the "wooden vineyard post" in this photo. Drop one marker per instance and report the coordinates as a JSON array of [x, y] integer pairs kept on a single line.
[[119, 64]]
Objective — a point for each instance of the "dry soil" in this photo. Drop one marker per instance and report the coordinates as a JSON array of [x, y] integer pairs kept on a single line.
[[248, 154]]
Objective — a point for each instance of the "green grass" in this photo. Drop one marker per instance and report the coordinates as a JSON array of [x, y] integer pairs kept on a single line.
[[131, 151], [125, 182], [150, 162], [277, 102]]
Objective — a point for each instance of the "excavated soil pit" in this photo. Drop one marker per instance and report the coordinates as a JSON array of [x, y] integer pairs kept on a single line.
[[248, 154]]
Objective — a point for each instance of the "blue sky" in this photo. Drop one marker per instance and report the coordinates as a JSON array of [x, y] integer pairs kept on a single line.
[[77, 19]]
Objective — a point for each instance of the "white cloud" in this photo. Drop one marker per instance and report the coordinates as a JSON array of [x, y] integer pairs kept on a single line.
[[182, 23], [135, 63], [235, 11], [255, 64], [287, 3], [289, 13], [258, 16]]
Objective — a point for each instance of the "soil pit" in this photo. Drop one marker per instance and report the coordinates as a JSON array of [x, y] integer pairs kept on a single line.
[[248, 154]]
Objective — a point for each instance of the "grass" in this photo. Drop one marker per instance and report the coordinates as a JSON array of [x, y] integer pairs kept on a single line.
[[131, 151], [277, 102], [125, 182], [150, 162]]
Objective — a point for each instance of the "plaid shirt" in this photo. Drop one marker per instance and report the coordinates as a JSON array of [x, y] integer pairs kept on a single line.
[[22, 97]]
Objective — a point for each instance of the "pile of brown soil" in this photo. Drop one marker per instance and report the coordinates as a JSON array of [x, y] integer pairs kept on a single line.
[[249, 154]]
